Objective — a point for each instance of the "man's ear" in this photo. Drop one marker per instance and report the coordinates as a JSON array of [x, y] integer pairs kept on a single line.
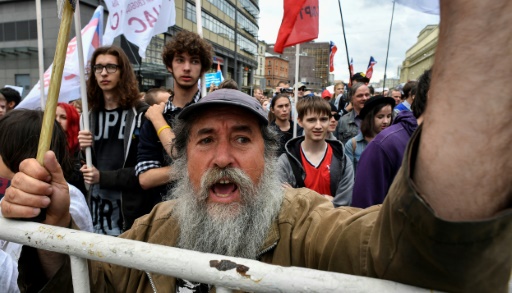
[[11, 105], [169, 69], [299, 121]]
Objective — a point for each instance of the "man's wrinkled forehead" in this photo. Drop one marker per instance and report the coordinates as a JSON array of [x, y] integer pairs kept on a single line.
[[216, 112]]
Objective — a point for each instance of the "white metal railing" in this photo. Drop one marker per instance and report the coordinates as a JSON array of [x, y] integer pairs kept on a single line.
[[186, 264]]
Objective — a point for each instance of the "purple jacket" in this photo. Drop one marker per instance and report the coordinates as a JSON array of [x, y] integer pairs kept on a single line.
[[381, 160]]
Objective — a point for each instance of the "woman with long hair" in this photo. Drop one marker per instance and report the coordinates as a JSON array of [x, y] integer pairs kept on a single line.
[[69, 119], [376, 115]]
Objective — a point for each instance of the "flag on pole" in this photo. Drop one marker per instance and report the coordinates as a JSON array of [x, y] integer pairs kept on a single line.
[[351, 67], [299, 25], [427, 6], [140, 22], [332, 50], [219, 72], [70, 87], [369, 71]]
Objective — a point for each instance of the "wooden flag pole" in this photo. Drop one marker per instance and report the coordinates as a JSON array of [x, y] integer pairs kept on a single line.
[[54, 89], [56, 79]]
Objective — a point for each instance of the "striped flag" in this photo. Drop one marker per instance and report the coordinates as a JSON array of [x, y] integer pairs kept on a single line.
[[332, 50], [369, 71], [351, 67], [219, 72]]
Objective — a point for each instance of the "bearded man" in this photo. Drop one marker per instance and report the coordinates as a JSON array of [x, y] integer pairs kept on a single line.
[[448, 233]]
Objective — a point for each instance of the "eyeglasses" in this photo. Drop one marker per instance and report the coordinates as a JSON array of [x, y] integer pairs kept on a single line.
[[111, 68], [336, 116]]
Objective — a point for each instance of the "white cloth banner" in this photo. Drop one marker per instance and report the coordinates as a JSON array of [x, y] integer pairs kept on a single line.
[[70, 86], [427, 6], [138, 20]]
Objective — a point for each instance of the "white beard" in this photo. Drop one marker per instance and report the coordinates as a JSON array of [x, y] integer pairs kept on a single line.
[[237, 229]]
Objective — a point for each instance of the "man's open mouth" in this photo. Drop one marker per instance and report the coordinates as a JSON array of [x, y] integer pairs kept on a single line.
[[224, 188]]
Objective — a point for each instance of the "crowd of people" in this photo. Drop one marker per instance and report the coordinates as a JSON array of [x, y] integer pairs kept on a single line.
[[349, 181]]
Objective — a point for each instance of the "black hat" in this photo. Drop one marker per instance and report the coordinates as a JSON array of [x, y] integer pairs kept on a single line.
[[227, 97], [373, 102], [360, 77]]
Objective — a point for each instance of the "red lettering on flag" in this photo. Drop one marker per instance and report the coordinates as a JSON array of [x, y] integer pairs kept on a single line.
[[144, 27]]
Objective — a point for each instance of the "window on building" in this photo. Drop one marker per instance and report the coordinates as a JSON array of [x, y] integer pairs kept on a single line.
[[23, 80], [247, 25], [18, 31], [225, 7], [210, 23], [247, 45], [250, 7], [154, 50]]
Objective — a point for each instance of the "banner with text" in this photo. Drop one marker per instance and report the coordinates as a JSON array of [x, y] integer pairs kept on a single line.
[[215, 78], [138, 20], [70, 86]]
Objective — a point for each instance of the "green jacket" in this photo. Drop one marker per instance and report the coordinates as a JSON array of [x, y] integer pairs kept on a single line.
[[401, 241]]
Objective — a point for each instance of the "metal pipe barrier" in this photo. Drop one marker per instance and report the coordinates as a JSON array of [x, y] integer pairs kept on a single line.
[[241, 274]]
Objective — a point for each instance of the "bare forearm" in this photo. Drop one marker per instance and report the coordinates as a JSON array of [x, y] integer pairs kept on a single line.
[[155, 177], [165, 135], [464, 162]]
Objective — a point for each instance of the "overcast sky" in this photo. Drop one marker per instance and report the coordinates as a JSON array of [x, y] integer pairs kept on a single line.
[[367, 29]]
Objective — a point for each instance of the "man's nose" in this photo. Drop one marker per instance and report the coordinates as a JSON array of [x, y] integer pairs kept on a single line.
[[186, 65], [223, 155]]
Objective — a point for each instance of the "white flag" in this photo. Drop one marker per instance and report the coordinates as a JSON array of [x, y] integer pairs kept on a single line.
[[427, 6], [138, 21], [70, 86]]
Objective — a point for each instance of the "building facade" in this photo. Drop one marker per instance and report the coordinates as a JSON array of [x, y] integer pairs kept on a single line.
[[420, 56], [315, 75], [231, 26], [276, 70], [259, 75]]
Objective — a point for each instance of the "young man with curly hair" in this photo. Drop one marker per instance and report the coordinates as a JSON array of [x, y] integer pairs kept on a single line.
[[115, 117], [187, 56]]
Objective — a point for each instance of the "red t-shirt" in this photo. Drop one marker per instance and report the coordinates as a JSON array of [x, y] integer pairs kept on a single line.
[[318, 178]]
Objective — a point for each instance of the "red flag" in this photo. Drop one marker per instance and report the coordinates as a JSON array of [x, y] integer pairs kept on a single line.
[[369, 71], [299, 25], [332, 50]]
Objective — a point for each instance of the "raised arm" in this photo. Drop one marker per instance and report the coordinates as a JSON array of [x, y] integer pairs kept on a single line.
[[464, 161], [43, 187]]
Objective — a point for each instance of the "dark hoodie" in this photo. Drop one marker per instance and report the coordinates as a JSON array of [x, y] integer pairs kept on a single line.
[[381, 160]]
